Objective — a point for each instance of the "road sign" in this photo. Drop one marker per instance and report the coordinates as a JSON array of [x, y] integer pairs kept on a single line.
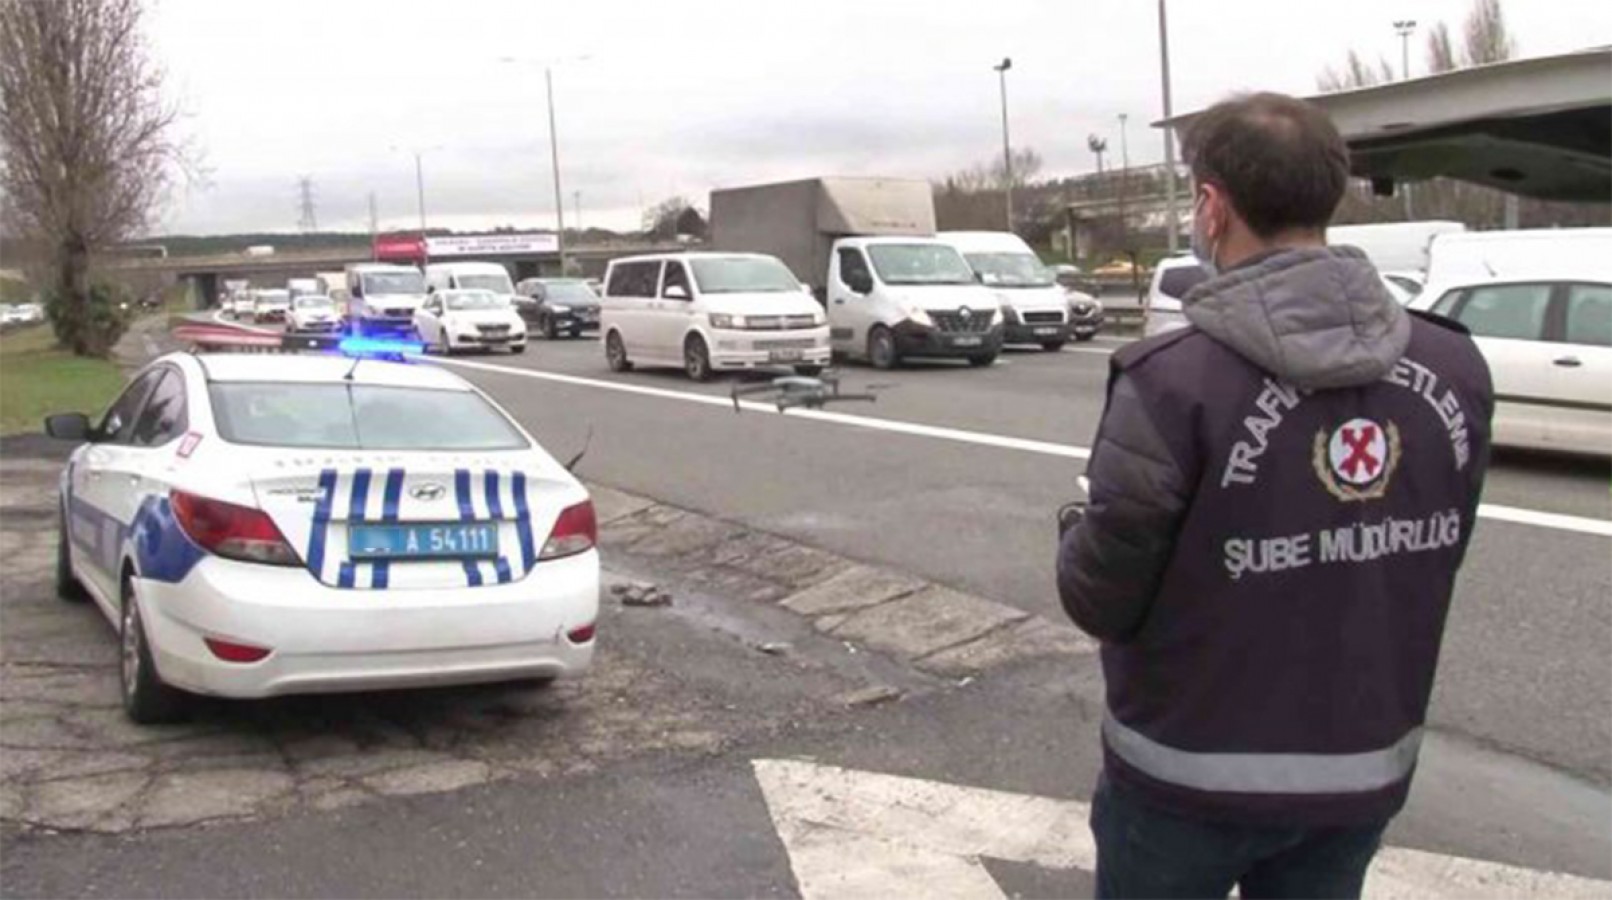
[[852, 834]]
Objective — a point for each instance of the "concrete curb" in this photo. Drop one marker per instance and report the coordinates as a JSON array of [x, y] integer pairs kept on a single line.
[[935, 629]]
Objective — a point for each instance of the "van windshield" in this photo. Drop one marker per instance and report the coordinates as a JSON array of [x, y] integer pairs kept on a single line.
[[376, 283], [919, 264], [1010, 270], [743, 275], [497, 283]]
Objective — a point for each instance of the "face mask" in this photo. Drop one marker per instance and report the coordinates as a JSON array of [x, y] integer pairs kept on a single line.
[[1202, 247]]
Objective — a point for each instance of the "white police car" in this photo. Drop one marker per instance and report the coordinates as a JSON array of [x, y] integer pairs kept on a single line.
[[267, 524]]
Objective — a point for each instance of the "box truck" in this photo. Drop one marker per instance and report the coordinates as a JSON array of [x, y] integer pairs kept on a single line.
[[866, 248]]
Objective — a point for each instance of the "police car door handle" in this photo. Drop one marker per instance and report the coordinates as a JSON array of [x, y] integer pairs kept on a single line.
[[1569, 362]]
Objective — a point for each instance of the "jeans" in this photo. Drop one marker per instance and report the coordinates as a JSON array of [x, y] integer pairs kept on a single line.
[[1143, 851]]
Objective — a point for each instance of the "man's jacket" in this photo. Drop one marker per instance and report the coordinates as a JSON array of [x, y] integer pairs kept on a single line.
[[1280, 497]]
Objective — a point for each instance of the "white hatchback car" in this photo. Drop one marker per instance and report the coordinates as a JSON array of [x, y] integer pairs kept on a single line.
[[452, 320], [314, 314], [1549, 348], [257, 525]]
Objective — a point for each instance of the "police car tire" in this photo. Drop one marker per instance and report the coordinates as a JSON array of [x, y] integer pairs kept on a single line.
[[67, 586], [981, 360], [148, 701], [1052, 346]]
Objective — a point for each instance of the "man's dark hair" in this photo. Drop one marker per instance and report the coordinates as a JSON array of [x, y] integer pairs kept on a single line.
[[1279, 159]]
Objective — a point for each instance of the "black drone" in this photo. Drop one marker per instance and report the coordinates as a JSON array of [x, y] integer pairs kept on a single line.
[[803, 392]]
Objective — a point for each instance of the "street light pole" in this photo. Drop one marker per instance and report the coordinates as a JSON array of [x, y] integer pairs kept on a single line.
[[1405, 28], [1007, 147], [1169, 132], [554, 150]]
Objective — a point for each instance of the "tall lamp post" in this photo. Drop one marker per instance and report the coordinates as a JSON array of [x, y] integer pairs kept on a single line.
[[554, 149], [1007, 147], [419, 187], [1404, 28], [1169, 133]]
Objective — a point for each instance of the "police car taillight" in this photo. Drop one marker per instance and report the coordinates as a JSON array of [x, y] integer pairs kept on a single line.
[[576, 531], [231, 531]]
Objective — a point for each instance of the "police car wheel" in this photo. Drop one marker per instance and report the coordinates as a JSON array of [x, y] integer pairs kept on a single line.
[[146, 699], [981, 360], [67, 586], [696, 359], [616, 353], [1052, 346]]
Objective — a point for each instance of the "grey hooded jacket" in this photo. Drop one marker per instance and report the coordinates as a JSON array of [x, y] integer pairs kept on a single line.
[[1314, 318]]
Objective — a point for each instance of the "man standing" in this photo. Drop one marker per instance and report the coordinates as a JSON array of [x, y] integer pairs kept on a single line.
[[1280, 497]]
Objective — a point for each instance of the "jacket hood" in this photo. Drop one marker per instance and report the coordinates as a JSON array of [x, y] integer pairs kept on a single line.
[[1315, 317]]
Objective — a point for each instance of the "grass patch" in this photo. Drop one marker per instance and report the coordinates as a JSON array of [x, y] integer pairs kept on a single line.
[[38, 378]]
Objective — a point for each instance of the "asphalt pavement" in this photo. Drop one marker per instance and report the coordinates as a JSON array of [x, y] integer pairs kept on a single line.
[[1526, 640]]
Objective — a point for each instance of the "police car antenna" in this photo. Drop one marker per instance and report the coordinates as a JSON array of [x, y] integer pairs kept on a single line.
[[352, 368], [587, 441]]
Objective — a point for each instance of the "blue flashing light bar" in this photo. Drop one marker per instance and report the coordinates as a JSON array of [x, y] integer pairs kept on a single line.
[[380, 347]]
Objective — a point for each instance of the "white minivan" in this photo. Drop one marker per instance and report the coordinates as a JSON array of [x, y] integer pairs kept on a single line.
[[1035, 309], [708, 312], [469, 276]]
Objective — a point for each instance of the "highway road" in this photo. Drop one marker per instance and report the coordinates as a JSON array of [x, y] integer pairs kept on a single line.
[[956, 474]]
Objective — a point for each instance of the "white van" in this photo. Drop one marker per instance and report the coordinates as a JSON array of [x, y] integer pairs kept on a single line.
[[707, 312], [1395, 248], [1035, 309], [1172, 278], [1537, 253], [469, 276]]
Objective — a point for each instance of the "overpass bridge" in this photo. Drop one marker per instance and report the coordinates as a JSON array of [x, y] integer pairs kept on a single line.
[[206, 273]]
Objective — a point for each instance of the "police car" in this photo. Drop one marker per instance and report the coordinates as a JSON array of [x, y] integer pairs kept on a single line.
[[256, 525]]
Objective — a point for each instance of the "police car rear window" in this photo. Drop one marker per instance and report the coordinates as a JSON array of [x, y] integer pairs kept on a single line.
[[359, 417]]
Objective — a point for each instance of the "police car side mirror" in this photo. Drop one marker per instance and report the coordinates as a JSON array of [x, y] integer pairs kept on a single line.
[[69, 427]]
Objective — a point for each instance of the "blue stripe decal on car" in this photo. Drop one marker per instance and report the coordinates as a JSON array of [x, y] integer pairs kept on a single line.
[[321, 522], [523, 521], [161, 548], [389, 501], [358, 500], [467, 513], [495, 507]]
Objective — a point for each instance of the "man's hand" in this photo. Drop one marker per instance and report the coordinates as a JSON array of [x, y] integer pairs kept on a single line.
[[1070, 515]]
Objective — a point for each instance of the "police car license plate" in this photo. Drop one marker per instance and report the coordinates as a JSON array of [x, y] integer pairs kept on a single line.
[[459, 540], [967, 342], [784, 355]]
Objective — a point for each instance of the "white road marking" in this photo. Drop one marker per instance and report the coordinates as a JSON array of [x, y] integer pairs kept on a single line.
[[1099, 351], [852, 834], [1511, 514]]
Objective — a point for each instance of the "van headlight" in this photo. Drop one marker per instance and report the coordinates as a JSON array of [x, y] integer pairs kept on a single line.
[[559, 308], [725, 321], [921, 317], [819, 317]]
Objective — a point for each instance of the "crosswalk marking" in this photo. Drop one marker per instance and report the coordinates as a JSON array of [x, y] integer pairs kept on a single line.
[[853, 834]]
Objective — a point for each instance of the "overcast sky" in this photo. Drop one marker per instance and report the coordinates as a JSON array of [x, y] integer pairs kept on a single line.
[[678, 97]]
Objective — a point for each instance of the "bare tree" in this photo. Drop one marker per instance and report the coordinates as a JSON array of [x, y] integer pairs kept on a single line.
[[1356, 73], [1027, 165], [1441, 50], [1487, 38], [86, 149], [672, 217]]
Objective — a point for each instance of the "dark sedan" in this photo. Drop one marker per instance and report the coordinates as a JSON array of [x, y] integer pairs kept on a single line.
[[558, 306]]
